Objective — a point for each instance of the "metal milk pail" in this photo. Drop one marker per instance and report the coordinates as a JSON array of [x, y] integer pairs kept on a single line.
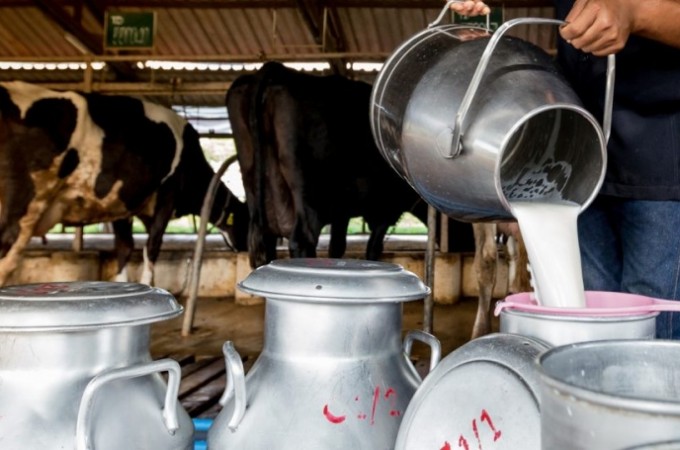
[[333, 373], [76, 372], [474, 120], [610, 395]]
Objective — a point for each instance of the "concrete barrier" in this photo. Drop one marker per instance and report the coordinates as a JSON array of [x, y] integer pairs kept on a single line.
[[221, 270]]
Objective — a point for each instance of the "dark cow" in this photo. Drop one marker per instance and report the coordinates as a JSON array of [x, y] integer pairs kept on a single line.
[[76, 159], [308, 159]]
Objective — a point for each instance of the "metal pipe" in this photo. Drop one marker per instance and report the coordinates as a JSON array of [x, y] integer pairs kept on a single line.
[[190, 311], [428, 310]]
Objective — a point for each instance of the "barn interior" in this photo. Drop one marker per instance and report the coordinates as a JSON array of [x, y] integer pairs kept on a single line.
[[188, 60]]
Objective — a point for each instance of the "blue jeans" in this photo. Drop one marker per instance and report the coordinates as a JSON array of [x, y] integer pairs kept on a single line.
[[633, 246]]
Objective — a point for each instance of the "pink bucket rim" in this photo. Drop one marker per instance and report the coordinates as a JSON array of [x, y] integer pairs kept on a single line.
[[598, 303]]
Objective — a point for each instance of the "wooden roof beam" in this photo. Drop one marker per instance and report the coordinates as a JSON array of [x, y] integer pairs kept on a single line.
[[93, 43], [312, 14], [55, 12]]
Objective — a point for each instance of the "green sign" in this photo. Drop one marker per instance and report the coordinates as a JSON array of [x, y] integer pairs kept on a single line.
[[130, 30], [495, 19]]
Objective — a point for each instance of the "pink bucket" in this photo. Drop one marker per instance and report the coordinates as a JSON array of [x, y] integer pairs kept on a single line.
[[608, 315]]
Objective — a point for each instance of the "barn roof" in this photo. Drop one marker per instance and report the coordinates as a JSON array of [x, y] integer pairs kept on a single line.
[[60, 43]]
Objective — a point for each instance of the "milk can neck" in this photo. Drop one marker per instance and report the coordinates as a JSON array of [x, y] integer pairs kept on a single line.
[[333, 329], [97, 348]]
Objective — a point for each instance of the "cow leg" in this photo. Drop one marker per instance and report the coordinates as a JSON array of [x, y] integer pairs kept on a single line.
[[270, 242], [155, 227], [300, 246], [305, 237], [338, 240], [518, 262], [486, 257], [375, 245], [261, 246], [15, 234], [123, 244]]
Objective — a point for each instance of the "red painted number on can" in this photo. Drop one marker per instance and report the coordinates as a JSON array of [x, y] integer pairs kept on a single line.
[[484, 418], [332, 418], [390, 397]]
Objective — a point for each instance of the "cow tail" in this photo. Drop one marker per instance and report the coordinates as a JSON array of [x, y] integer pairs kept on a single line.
[[258, 133]]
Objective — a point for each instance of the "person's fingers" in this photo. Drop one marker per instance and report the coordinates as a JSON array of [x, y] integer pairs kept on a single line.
[[576, 10], [482, 9], [597, 30], [578, 25], [470, 8]]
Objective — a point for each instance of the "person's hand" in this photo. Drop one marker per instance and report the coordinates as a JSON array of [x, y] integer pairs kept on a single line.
[[600, 27], [471, 8]]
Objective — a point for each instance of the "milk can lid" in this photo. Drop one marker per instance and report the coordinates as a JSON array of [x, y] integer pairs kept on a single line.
[[83, 305], [334, 280], [495, 387]]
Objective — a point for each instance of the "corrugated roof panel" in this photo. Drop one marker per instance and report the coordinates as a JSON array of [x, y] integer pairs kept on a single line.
[[382, 30], [291, 36], [208, 23], [32, 34], [228, 34], [28, 32]]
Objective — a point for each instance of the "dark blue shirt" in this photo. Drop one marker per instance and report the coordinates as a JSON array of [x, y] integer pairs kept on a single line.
[[644, 148]]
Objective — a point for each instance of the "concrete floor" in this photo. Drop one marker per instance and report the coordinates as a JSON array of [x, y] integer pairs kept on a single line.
[[220, 319]]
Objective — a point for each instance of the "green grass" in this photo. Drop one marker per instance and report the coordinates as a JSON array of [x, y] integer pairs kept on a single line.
[[185, 225]]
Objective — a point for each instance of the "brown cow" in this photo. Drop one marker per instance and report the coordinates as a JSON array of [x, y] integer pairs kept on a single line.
[[485, 266]]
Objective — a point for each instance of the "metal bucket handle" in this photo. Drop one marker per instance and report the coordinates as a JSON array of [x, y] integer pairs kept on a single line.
[[473, 87], [236, 384], [426, 338], [170, 419]]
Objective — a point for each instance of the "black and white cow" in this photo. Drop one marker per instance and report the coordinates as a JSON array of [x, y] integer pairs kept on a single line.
[[76, 159], [308, 159]]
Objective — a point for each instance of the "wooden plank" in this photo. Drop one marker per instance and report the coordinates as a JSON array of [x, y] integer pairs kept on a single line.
[[211, 369], [205, 398], [197, 366]]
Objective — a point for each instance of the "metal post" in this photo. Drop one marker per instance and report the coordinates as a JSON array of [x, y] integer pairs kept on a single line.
[[190, 311], [428, 312]]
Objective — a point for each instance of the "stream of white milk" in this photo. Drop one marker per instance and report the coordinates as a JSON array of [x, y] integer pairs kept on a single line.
[[551, 239]]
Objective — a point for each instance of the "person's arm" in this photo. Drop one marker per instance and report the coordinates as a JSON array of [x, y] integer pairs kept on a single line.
[[602, 27]]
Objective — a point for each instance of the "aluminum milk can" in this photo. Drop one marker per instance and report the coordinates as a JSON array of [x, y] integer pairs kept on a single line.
[[76, 372], [611, 395], [333, 373]]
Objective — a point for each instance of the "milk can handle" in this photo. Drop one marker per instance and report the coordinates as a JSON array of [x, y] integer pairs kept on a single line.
[[465, 104], [170, 419], [427, 338], [236, 384]]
